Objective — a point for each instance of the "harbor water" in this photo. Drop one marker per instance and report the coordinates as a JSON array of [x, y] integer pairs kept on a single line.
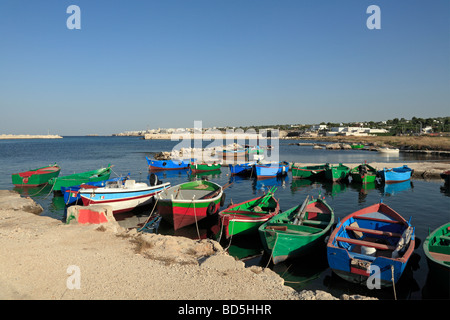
[[427, 202]]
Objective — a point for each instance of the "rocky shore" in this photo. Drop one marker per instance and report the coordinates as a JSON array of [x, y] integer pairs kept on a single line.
[[41, 256]]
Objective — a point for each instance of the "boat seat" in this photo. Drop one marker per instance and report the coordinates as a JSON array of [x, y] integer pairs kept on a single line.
[[315, 222], [371, 231], [129, 183], [445, 238], [370, 244]]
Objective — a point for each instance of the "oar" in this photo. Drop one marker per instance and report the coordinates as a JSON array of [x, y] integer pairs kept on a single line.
[[301, 212]]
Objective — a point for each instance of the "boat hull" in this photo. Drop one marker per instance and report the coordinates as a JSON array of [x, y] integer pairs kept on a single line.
[[155, 165], [283, 239], [337, 173], [121, 199], [437, 251], [179, 207], [394, 175], [381, 229], [241, 169], [241, 219], [80, 178], [309, 172], [271, 171], [36, 177], [199, 168], [363, 174]]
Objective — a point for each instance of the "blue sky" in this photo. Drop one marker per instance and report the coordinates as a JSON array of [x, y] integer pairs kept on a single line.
[[135, 64]]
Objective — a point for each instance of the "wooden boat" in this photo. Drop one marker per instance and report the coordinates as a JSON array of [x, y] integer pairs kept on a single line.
[[246, 217], [71, 194], [309, 172], [80, 178], [189, 202], [120, 196], [36, 177], [297, 231], [337, 173], [374, 238], [363, 173], [393, 175], [270, 170], [388, 150], [242, 168], [156, 165], [204, 167], [437, 250]]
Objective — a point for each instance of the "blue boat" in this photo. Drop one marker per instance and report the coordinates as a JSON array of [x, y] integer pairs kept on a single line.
[[371, 245], [270, 170], [393, 175], [167, 164], [242, 168], [71, 194]]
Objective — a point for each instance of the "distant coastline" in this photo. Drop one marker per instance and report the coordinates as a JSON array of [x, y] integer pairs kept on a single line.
[[29, 136]]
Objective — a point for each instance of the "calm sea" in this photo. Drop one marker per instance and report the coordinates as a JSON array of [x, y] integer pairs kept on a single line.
[[427, 202]]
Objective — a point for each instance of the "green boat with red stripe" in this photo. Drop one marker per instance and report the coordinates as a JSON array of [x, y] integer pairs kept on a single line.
[[189, 202], [246, 217], [35, 177]]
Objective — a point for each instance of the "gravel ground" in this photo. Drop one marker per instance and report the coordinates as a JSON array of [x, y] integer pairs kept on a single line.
[[41, 258]]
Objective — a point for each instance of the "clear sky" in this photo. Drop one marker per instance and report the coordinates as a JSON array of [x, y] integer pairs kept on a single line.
[[138, 64]]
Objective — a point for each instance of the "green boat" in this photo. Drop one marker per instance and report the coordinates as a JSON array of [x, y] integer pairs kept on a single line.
[[309, 172], [297, 231], [437, 250], [363, 173], [35, 177], [204, 167], [357, 146], [245, 217], [336, 173], [80, 178]]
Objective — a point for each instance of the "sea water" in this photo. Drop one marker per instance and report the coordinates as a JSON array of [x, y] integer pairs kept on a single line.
[[426, 202]]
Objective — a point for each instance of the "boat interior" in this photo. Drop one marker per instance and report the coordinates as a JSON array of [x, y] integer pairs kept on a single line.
[[439, 247]]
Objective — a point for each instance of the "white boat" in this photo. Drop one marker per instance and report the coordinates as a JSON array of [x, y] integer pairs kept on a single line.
[[122, 197], [388, 150]]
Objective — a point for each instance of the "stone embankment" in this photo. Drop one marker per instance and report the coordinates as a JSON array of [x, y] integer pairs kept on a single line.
[[42, 258]]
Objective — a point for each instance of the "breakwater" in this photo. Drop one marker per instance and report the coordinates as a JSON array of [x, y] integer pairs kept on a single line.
[[29, 136]]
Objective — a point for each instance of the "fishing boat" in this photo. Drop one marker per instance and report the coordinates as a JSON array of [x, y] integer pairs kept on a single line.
[[242, 168], [373, 239], [246, 217], [363, 173], [155, 165], [80, 178], [189, 202], [35, 177], [393, 175], [437, 250], [120, 196], [309, 172], [270, 170], [337, 173], [204, 167], [71, 194], [297, 231], [392, 151]]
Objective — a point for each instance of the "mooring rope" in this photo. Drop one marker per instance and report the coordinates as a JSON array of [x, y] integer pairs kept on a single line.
[[151, 213], [393, 282]]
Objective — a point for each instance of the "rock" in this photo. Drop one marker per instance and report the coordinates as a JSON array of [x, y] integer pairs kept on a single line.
[[334, 146], [164, 155], [11, 200]]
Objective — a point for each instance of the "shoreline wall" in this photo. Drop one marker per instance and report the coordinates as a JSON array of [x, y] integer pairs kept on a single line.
[[29, 136]]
